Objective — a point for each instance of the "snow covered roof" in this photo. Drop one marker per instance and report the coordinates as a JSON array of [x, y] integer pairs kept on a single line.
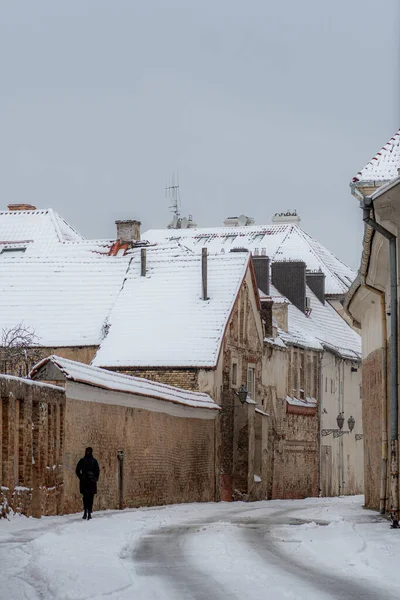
[[161, 319], [281, 241], [384, 166], [81, 373], [276, 296], [64, 299], [39, 229], [323, 328]]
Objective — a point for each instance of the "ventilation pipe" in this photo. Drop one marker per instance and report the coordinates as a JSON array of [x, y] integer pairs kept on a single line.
[[143, 262], [367, 206], [204, 273]]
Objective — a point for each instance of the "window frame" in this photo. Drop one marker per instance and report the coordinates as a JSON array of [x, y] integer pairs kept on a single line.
[[234, 373], [251, 368]]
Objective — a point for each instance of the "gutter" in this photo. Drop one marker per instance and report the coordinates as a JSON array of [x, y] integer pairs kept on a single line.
[[368, 217]]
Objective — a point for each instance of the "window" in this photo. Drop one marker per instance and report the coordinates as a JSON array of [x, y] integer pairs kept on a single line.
[[302, 375], [234, 373], [251, 383], [326, 384], [331, 386]]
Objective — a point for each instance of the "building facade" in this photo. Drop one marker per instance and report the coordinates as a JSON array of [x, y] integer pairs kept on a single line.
[[369, 303]]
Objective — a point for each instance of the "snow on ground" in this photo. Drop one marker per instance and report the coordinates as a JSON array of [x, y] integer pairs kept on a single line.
[[309, 549]]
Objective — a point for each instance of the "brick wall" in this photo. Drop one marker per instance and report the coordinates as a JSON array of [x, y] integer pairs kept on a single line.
[[371, 414], [186, 379], [167, 459], [82, 354], [31, 446]]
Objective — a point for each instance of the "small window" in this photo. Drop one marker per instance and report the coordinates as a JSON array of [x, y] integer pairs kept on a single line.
[[234, 373], [326, 384], [331, 386], [251, 384]]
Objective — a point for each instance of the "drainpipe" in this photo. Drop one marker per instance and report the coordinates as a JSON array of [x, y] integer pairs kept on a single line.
[[320, 407], [366, 205], [384, 408]]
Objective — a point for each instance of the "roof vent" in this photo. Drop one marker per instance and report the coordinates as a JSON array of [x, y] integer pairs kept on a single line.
[[16, 207], [290, 216], [241, 221]]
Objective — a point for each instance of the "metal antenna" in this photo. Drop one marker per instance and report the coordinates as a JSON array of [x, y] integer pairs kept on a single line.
[[172, 194]]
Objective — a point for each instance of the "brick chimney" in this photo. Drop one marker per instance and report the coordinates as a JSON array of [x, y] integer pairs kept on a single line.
[[261, 269], [128, 231], [16, 207], [316, 282], [289, 277]]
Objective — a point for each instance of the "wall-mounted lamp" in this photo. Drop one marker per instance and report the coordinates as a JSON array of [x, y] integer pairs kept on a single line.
[[351, 422], [340, 420], [242, 393]]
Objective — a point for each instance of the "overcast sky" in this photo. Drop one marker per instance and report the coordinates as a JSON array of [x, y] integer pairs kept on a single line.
[[260, 105]]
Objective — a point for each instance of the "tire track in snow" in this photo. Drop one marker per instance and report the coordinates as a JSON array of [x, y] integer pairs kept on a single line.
[[162, 554], [339, 588]]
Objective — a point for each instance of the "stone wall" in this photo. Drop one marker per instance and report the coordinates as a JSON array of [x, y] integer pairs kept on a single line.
[[293, 432], [31, 446], [242, 350], [295, 473], [167, 459]]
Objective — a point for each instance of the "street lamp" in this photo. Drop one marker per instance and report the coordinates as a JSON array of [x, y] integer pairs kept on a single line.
[[242, 393], [351, 422], [340, 420]]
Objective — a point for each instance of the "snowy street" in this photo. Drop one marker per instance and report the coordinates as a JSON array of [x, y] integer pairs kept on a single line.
[[301, 550]]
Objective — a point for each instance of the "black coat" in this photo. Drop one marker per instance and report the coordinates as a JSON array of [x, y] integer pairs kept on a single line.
[[88, 471]]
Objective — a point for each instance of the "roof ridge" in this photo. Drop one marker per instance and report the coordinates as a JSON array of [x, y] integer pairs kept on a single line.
[[386, 149]]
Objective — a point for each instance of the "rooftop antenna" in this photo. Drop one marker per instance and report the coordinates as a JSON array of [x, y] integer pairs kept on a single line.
[[172, 194]]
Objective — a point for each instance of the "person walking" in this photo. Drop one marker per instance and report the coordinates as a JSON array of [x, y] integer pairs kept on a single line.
[[88, 471]]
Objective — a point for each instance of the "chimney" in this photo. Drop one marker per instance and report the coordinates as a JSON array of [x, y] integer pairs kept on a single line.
[[143, 262], [266, 315], [289, 278], [316, 282], [204, 273], [288, 217], [17, 207], [128, 231], [261, 269]]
